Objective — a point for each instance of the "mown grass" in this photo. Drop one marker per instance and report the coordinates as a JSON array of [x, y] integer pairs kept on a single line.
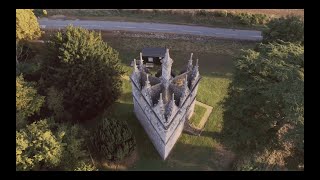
[[197, 115]]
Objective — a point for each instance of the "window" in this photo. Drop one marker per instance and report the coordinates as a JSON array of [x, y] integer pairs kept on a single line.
[[150, 59]]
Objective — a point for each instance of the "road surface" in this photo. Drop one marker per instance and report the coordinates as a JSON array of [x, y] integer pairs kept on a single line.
[[154, 27]]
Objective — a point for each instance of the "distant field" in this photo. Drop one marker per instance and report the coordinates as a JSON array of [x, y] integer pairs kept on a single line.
[[227, 18]]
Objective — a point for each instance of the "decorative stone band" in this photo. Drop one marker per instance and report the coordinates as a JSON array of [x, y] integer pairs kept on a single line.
[[166, 127]]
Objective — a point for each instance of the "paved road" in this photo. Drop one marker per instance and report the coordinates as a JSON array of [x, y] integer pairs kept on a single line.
[[154, 27]]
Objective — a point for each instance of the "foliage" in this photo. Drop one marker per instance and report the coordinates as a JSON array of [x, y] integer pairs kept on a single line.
[[40, 12], [55, 103], [265, 107], [38, 147], [84, 166], [27, 26], [289, 29], [250, 19], [75, 150], [28, 102], [84, 69], [113, 140]]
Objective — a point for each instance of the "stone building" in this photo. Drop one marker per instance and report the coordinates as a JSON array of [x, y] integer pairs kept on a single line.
[[163, 105]]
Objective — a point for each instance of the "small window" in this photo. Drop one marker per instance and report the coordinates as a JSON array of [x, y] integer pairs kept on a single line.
[[150, 59]]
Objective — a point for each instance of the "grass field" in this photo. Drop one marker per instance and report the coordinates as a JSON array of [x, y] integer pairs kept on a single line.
[[205, 17], [197, 115], [190, 152]]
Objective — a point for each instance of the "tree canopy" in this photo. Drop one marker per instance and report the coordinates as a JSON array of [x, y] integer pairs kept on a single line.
[[265, 108], [28, 101], [85, 69], [289, 29], [27, 26], [37, 147]]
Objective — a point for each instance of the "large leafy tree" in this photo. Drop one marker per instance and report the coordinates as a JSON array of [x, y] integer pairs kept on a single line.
[[46, 145], [28, 101], [38, 147], [265, 108], [289, 29], [85, 69], [27, 26]]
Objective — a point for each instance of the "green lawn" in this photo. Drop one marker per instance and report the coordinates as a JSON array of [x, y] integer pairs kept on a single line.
[[197, 115], [190, 152]]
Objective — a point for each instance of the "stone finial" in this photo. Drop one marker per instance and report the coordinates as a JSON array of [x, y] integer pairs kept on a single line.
[[186, 82], [173, 97], [135, 65], [141, 62], [195, 72], [170, 108], [167, 59], [147, 84], [160, 100], [161, 106], [189, 66]]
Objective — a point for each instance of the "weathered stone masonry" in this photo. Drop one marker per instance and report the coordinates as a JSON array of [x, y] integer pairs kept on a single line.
[[164, 104]]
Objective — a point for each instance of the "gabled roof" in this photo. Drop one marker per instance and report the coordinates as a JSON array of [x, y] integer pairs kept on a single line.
[[154, 52]]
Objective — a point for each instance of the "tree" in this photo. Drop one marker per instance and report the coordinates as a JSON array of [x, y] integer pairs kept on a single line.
[[112, 140], [28, 102], [27, 26], [75, 151], [289, 29], [40, 12], [265, 108], [84, 69], [55, 103], [38, 147]]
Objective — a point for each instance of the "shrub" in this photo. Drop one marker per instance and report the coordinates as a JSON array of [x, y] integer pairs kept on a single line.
[[223, 13], [37, 147], [250, 19], [112, 140], [84, 69], [28, 102], [85, 166], [289, 29], [201, 13], [75, 150]]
